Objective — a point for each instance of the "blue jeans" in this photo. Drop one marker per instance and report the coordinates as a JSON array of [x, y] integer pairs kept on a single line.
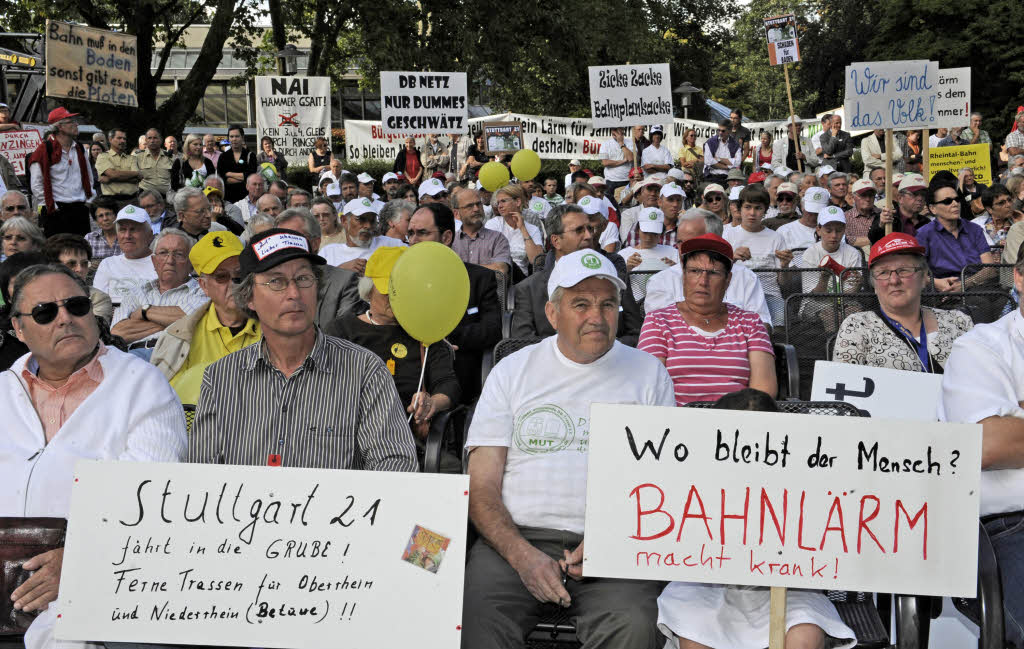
[[145, 353], [1007, 534]]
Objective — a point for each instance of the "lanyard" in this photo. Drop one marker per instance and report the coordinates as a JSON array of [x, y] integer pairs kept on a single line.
[[920, 347]]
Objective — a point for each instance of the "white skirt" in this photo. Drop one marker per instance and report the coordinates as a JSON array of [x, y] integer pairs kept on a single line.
[[731, 617]]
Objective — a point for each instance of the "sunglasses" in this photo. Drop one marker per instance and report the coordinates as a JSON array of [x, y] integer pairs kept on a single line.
[[948, 201], [46, 312]]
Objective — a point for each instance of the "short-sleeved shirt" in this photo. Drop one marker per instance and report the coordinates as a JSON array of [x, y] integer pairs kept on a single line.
[[947, 255], [486, 247], [796, 235], [704, 366], [118, 162], [612, 150], [188, 297], [656, 155], [100, 248], [156, 172], [337, 254], [118, 276]]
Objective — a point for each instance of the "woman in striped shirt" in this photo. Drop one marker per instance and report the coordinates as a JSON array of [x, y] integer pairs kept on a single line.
[[709, 348]]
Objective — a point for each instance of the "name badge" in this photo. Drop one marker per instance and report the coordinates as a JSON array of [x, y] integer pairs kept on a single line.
[[473, 310]]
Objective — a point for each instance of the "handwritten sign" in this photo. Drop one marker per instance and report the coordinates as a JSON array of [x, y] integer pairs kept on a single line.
[[257, 556], [955, 158], [879, 391], [769, 499], [783, 46], [892, 94], [627, 95], [294, 112], [90, 64], [953, 98], [15, 145], [424, 102]]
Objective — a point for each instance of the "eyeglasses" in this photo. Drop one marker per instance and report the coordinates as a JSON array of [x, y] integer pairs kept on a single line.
[[224, 278], [785, 198], [698, 273], [903, 272], [714, 197], [46, 312], [422, 233], [176, 255], [281, 283], [948, 201]]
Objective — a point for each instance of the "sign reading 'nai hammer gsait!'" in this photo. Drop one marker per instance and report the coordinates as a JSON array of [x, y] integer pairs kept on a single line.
[[90, 64], [628, 95], [260, 556], [770, 499]]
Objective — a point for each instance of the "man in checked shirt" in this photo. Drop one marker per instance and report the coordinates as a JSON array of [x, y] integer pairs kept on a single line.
[[297, 398]]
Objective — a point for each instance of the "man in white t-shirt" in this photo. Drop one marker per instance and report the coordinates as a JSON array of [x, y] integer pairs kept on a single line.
[[802, 232], [666, 287], [655, 157], [117, 276], [359, 222], [754, 246], [574, 166], [527, 449], [617, 154], [833, 277], [648, 254]]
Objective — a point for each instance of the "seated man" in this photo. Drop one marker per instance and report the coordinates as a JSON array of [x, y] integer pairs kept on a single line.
[[984, 383], [360, 224], [268, 405], [193, 214], [117, 275], [474, 243], [101, 404], [211, 332], [531, 537], [148, 309], [73, 251]]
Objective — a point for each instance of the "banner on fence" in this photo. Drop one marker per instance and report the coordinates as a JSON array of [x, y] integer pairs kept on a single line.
[[90, 64], [294, 111], [417, 102]]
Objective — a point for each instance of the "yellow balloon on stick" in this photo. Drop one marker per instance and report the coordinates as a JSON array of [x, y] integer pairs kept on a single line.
[[494, 176], [526, 164], [429, 291]]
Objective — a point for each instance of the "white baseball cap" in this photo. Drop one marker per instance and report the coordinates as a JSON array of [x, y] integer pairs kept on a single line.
[[327, 175], [577, 266], [364, 178], [597, 180], [671, 189], [815, 199], [823, 170], [432, 187], [675, 173], [652, 220], [782, 171], [574, 161], [132, 213], [861, 185], [590, 204], [389, 176], [657, 128], [712, 188], [359, 206], [787, 188], [831, 214], [540, 205], [912, 183], [334, 189], [734, 193]]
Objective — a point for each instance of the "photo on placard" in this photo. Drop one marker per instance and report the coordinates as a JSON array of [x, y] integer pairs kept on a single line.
[[502, 138]]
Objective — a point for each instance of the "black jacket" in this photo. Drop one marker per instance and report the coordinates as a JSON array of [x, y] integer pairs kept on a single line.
[[479, 330]]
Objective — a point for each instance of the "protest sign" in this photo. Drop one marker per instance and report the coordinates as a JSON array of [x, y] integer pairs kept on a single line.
[[294, 111], [502, 137], [423, 102], [15, 145], [783, 46], [627, 95], [90, 64], [899, 95], [771, 499], [955, 158], [878, 391], [260, 556], [953, 98]]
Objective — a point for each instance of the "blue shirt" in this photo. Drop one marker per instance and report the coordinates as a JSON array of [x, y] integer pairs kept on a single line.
[[947, 255]]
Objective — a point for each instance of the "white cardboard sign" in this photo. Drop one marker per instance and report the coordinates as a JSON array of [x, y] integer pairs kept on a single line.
[[628, 95], [413, 103], [294, 111], [899, 95], [770, 499], [879, 391], [953, 98], [260, 556], [783, 45], [16, 145]]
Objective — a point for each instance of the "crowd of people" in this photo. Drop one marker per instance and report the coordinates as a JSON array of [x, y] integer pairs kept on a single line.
[[204, 279]]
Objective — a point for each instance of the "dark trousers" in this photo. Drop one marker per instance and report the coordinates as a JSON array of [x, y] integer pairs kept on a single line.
[[498, 611], [1007, 534], [69, 217]]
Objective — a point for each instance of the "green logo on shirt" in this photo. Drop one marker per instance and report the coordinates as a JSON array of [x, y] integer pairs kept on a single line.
[[591, 261], [547, 429]]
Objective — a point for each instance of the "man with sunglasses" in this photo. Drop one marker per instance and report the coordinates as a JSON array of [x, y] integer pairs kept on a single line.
[[70, 398], [212, 332], [14, 203], [360, 223], [786, 197], [722, 152]]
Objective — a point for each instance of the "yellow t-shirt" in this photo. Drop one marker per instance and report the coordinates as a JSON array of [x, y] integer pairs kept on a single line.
[[211, 341]]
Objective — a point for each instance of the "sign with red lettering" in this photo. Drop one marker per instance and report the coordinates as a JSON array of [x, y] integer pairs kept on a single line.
[[771, 499], [16, 145]]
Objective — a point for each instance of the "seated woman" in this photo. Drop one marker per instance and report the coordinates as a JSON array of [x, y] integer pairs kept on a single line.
[[716, 616], [379, 331], [900, 334], [18, 234], [515, 221], [710, 348]]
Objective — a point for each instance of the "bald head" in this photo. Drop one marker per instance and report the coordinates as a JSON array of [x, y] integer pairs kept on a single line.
[[690, 228]]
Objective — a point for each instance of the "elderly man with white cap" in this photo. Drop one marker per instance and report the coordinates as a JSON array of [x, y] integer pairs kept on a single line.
[[530, 538], [390, 182], [119, 274], [432, 190], [364, 189], [670, 202], [645, 192], [714, 200], [908, 216], [787, 196], [360, 223]]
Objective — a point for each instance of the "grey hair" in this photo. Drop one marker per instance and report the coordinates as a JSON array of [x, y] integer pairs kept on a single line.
[[14, 192], [837, 175], [184, 195], [206, 183], [28, 275], [365, 288], [554, 222], [171, 232], [309, 221], [1019, 156], [796, 178], [712, 223], [278, 200], [256, 220], [973, 113], [971, 169], [262, 179], [575, 187], [393, 209], [24, 226], [155, 195]]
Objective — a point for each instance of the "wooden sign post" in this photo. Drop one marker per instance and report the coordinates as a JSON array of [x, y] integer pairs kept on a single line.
[[925, 146], [888, 176], [792, 119]]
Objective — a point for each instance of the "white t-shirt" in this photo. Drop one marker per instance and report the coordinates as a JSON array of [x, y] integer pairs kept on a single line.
[[611, 150], [610, 235], [847, 256], [652, 257], [516, 244], [655, 156], [744, 291], [933, 141], [337, 254], [546, 424], [117, 276], [762, 247], [796, 235]]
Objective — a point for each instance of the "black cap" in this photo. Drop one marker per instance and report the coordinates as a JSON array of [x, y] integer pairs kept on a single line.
[[274, 247]]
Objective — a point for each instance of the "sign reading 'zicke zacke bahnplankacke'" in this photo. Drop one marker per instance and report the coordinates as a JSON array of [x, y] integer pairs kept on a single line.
[[629, 95]]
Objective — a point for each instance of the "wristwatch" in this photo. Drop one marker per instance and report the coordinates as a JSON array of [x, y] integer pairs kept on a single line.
[[145, 308]]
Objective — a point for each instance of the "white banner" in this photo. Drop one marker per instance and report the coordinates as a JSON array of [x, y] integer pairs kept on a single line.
[[770, 499], [953, 105], [16, 145], [879, 391], [263, 557], [626, 95], [899, 95], [414, 102], [294, 111]]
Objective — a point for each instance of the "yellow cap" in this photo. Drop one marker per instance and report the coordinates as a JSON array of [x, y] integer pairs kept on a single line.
[[213, 190], [212, 250], [380, 263]]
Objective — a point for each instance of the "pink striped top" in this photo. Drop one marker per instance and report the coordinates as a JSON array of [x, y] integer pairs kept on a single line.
[[704, 368]]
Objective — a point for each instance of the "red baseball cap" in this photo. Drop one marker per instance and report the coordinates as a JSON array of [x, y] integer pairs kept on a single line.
[[896, 243], [756, 177], [707, 243], [57, 114]]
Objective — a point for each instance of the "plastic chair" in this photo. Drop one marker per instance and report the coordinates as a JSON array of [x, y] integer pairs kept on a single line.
[[190, 416], [987, 609]]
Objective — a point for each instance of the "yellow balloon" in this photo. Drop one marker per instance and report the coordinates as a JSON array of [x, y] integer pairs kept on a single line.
[[429, 291], [494, 176], [526, 164]]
